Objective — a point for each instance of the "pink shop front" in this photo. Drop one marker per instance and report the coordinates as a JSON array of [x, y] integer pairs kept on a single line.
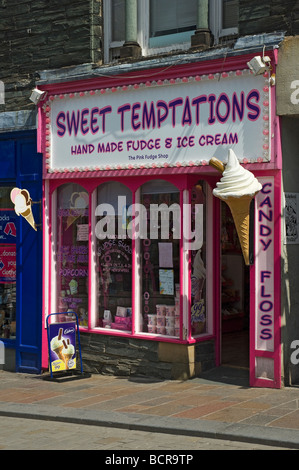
[[136, 244]]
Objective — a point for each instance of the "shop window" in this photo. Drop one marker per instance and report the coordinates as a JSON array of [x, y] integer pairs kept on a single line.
[[165, 295], [113, 257], [160, 260], [72, 234], [8, 222], [198, 260], [164, 25]]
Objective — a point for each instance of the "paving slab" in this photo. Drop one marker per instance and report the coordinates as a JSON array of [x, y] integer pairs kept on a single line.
[[215, 407]]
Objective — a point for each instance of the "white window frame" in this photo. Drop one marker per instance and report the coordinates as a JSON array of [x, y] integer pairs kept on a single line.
[[108, 43], [176, 41], [216, 21], [180, 41]]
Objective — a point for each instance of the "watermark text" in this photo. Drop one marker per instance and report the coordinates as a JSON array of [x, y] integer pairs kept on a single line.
[[162, 222]]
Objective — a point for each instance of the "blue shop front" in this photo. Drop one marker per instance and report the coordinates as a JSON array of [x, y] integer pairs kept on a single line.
[[20, 255]]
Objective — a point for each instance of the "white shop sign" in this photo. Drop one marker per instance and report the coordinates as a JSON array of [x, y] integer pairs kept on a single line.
[[169, 123]]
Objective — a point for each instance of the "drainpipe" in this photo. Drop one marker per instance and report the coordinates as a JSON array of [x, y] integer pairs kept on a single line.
[[201, 39], [131, 48]]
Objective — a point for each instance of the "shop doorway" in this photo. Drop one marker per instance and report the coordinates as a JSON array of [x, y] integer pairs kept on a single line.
[[234, 339]]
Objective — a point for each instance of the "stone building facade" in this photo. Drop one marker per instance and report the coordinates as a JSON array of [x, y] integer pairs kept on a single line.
[[42, 35]]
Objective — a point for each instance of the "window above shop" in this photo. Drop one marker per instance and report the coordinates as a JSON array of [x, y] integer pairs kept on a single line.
[[224, 18], [165, 25], [171, 22]]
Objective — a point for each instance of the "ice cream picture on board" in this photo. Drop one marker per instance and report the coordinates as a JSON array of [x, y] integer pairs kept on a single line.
[[23, 202], [62, 350], [237, 188]]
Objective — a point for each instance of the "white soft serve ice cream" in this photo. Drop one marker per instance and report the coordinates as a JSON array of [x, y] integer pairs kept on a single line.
[[56, 343], [69, 350], [236, 181]]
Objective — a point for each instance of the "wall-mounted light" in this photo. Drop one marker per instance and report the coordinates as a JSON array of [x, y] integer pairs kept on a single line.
[[37, 95], [259, 65]]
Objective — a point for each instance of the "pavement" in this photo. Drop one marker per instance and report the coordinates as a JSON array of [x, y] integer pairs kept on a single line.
[[218, 405]]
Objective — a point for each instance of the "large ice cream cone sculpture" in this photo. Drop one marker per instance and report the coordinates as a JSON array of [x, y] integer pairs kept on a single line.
[[237, 188], [22, 202], [240, 208]]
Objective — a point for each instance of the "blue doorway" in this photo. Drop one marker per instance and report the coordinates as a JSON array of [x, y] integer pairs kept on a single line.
[[21, 290]]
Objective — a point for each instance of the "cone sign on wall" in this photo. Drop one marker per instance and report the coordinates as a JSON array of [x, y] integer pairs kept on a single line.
[[22, 201], [237, 188]]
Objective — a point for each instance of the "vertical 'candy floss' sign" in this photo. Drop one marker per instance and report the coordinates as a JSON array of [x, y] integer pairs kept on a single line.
[[264, 340]]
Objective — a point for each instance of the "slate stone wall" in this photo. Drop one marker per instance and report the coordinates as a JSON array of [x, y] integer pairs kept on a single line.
[[256, 16], [49, 34], [41, 34], [111, 355]]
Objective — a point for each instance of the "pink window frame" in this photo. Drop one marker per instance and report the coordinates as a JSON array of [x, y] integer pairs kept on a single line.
[[182, 182]]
